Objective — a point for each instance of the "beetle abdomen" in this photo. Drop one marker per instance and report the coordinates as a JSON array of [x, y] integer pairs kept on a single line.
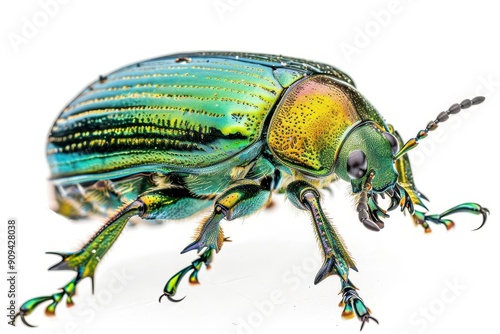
[[172, 112]]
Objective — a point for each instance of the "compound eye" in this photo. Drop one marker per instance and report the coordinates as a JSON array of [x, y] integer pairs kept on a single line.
[[393, 141], [356, 164]]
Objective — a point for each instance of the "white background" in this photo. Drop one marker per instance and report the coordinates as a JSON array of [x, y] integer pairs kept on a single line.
[[413, 63]]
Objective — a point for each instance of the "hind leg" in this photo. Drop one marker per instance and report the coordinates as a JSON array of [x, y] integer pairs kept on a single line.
[[174, 203]]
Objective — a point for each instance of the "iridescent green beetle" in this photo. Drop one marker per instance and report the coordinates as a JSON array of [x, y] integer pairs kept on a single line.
[[166, 138]]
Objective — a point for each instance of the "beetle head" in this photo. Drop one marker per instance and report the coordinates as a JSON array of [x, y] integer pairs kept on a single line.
[[368, 148]]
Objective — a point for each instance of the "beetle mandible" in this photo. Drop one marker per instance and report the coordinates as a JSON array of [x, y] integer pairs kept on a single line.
[[166, 138]]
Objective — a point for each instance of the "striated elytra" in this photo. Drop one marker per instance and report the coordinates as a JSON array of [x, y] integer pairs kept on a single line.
[[169, 137]]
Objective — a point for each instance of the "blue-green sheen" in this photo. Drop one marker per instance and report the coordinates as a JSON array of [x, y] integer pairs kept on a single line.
[[175, 113]]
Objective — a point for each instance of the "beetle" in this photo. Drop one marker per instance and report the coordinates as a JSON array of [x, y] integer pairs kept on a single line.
[[169, 137]]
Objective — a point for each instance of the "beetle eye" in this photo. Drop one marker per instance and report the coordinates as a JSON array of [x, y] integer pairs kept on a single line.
[[393, 141], [356, 164]]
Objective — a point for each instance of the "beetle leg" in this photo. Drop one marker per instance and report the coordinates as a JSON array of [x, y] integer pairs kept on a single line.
[[156, 204], [422, 218], [241, 199], [354, 305], [84, 261], [408, 196], [337, 260]]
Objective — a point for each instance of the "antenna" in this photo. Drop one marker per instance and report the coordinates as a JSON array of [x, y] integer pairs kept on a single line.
[[432, 125]]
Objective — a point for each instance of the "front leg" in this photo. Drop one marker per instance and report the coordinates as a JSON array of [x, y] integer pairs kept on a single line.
[[337, 260], [408, 196]]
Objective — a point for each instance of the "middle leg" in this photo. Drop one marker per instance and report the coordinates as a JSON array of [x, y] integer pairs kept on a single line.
[[240, 199]]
